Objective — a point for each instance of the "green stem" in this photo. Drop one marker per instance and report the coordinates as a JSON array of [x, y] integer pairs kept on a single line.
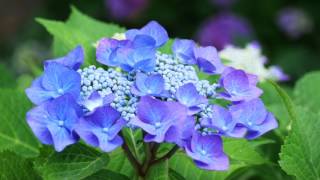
[[166, 156]]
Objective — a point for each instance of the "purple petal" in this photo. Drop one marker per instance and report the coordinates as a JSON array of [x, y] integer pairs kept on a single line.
[[151, 110], [268, 124], [183, 49], [106, 52], [61, 137], [74, 59], [208, 60], [37, 94], [189, 96], [152, 85]]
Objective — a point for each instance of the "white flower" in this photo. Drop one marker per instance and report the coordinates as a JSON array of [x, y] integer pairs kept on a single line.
[[251, 60]]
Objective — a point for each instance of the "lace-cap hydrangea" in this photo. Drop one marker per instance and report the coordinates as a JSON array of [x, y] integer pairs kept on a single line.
[[139, 87]]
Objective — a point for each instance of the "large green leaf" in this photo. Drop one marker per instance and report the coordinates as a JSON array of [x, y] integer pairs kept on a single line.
[[300, 154], [75, 162], [6, 78], [13, 166], [159, 171], [15, 134], [79, 29], [107, 175], [186, 168], [243, 151], [120, 164], [307, 90]]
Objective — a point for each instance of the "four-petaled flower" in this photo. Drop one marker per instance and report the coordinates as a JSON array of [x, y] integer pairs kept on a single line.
[[101, 128], [56, 81], [156, 117], [239, 86], [207, 152], [254, 116], [190, 97], [149, 85], [53, 122]]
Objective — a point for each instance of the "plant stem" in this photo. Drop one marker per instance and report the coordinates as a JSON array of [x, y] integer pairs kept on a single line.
[[136, 165], [166, 156]]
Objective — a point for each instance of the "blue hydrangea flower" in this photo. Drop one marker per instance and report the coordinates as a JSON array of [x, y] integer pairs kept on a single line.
[[181, 132], [149, 85], [130, 55], [53, 122], [190, 97], [222, 123], [254, 116], [95, 100], [101, 128], [207, 152], [73, 60], [183, 50], [153, 29], [239, 86], [56, 81], [208, 60], [156, 117]]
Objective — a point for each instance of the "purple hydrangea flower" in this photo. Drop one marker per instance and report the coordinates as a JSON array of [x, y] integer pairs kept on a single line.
[[294, 22], [101, 128], [222, 123], [138, 54], [224, 29], [56, 81], [125, 9], [208, 60], [152, 29], [73, 60], [278, 74], [95, 100], [239, 86], [181, 131], [207, 152], [190, 97], [156, 117], [183, 49], [149, 85], [53, 122], [254, 116]]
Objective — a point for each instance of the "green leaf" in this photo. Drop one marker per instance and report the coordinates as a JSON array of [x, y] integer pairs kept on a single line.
[[120, 164], [69, 37], [13, 166], [132, 139], [174, 175], [159, 171], [79, 29], [75, 162], [243, 151], [15, 134], [93, 28], [186, 168], [107, 175], [6, 78], [167, 47], [306, 91], [300, 153]]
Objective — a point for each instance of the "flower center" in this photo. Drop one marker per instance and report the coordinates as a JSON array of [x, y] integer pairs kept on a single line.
[[60, 91], [157, 125], [203, 152], [60, 123], [105, 130]]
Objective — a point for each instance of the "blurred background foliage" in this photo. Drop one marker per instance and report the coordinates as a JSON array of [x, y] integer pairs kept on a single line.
[[24, 43]]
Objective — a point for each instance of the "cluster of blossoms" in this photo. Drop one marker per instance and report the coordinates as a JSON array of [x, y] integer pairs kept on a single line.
[[142, 88], [251, 60]]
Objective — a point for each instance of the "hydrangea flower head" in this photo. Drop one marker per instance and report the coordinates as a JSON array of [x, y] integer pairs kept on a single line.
[[53, 122], [142, 88], [251, 60]]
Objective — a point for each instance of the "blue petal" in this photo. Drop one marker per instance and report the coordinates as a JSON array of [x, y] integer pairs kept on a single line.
[[74, 59], [106, 51], [183, 49], [189, 96], [62, 137], [151, 110], [152, 85], [37, 94], [208, 60], [61, 80], [268, 124]]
